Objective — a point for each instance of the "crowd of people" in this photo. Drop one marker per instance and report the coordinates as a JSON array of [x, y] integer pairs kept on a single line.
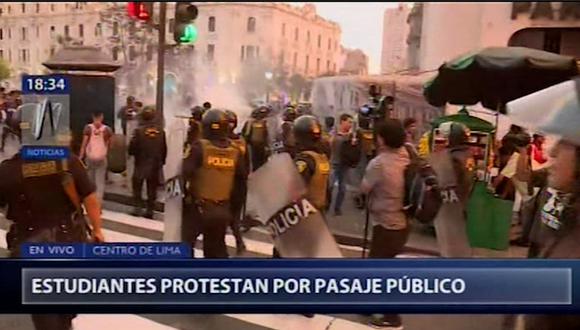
[[327, 152]]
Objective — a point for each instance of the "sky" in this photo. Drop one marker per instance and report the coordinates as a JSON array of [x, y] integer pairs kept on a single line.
[[361, 23]]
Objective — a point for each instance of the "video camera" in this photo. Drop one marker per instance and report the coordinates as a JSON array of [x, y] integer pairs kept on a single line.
[[379, 105]]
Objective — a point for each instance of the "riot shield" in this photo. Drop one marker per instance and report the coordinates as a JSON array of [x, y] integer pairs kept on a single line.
[[176, 133], [277, 191]]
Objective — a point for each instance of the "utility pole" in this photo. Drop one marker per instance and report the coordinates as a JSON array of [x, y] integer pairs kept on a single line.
[[161, 58]]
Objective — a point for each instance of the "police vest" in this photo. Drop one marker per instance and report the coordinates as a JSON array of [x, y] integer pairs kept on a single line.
[[367, 142], [215, 180], [240, 144], [258, 132], [288, 136], [317, 189]]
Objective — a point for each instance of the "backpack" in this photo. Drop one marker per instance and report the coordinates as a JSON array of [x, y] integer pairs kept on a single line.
[[422, 192], [350, 153], [97, 148]]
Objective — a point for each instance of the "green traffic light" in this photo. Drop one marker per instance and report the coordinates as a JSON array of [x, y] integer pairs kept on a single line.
[[189, 34]]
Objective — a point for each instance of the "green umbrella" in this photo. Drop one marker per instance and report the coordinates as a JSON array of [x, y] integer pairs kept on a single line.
[[473, 123], [497, 75]]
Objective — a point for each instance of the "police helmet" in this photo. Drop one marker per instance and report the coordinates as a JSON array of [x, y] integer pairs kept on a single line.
[[214, 124], [456, 133], [232, 119], [148, 113], [197, 113], [206, 105], [307, 130], [290, 114]]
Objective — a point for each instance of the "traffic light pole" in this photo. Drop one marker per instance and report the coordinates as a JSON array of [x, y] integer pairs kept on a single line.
[[161, 57]]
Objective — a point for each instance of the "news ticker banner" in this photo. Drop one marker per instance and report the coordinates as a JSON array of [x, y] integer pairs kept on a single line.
[[290, 286], [132, 251]]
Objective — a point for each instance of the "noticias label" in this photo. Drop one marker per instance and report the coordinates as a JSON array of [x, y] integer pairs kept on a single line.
[[44, 153]]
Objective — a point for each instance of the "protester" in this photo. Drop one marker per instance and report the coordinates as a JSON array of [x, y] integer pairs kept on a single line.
[[126, 113], [94, 149], [538, 155], [410, 125], [339, 172], [385, 185]]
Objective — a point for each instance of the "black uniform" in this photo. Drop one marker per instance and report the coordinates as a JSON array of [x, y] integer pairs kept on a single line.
[[41, 210], [255, 132], [149, 148], [214, 176]]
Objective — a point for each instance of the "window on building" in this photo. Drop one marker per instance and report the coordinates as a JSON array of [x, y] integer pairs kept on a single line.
[[52, 50], [52, 31], [132, 53], [24, 56], [257, 51], [317, 66], [251, 24], [210, 52], [1, 11], [294, 61], [1, 53], [38, 31], [296, 34], [329, 43], [9, 33], [306, 65], [250, 52], [23, 34], [283, 29], [211, 24], [9, 55], [81, 31], [1, 34], [115, 28], [333, 67], [319, 41], [52, 7], [115, 53], [327, 66], [171, 27], [242, 53], [9, 9], [150, 50], [37, 7], [308, 37], [23, 7], [98, 30], [77, 5], [66, 31]]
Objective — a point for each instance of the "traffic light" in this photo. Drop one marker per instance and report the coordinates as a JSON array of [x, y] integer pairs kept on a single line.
[[140, 10], [184, 31]]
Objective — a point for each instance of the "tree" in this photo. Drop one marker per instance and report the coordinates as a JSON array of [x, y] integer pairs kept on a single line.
[[4, 70], [297, 86]]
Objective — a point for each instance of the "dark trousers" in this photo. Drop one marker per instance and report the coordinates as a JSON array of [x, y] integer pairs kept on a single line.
[[387, 243], [259, 157], [152, 181], [52, 321], [338, 176], [210, 220]]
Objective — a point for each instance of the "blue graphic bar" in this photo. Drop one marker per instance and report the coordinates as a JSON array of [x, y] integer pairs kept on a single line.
[[146, 251], [40, 153], [287, 286]]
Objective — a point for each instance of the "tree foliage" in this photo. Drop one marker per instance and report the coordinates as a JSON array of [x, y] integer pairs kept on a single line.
[[4, 70]]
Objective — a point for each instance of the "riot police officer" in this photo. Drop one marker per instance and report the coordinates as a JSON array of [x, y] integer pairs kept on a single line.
[[214, 178], [311, 161], [286, 139], [255, 132], [194, 130], [43, 200], [238, 203], [149, 148]]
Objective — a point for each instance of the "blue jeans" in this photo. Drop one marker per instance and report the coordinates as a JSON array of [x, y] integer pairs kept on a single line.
[[338, 175]]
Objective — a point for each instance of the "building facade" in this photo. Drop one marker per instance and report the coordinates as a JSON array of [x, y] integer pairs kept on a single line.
[[395, 32], [29, 31], [353, 62], [448, 30], [282, 37]]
